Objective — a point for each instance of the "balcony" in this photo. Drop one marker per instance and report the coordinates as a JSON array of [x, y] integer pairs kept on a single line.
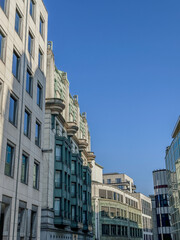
[[82, 144], [71, 129], [56, 105]]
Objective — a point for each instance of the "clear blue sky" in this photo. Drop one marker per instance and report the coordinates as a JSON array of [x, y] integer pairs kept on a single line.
[[123, 60]]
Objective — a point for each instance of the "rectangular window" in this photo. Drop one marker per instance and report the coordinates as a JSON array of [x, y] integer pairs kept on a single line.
[[24, 169], [105, 229], [32, 9], [58, 177], [58, 153], [30, 43], [13, 110], [27, 123], [73, 189], [73, 167], [73, 213], [16, 65], [29, 82], [5, 214], [33, 226], [22, 220], [3, 4], [36, 175], [2, 45], [40, 60], [57, 207], [38, 134], [39, 95], [9, 164], [108, 181], [41, 26], [18, 22]]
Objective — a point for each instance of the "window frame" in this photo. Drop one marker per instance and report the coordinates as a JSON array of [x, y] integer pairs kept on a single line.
[[18, 67], [1, 95], [20, 27], [39, 133], [39, 86], [3, 45], [28, 135], [12, 145], [15, 114], [5, 10], [26, 168], [32, 37], [37, 176], [41, 25], [33, 16], [40, 59], [31, 82]]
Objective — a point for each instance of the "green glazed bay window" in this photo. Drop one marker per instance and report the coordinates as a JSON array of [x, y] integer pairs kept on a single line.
[[58, 179]]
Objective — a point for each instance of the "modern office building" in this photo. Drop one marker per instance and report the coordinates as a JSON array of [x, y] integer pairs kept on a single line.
[[146, 208], [160, 206], [23, 51], [173, 178], [66, 191], [117, 213], [120, 180]]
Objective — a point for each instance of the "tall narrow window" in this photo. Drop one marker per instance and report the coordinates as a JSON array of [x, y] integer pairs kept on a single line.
[[73, 189], [30, 43], [40, 60], [13, 110], [58, 153], [24, 169], [36, 175], [58, 179], [38, 134], [9, 164], [39, 95], [22, 220], [18, 22], [2, 46], [41, 26], [27, 123], [32, 9], [1, 96], [33, 223], [73, 213], [29, 82], [57, 206], [16, 65]]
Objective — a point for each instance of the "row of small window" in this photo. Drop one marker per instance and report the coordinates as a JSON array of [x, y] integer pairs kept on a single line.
[[5, 215], [13, 116], [76, 213], [119, 230], [10, 163], [117, 180], [131, 203], [110, 195], [147, 237]]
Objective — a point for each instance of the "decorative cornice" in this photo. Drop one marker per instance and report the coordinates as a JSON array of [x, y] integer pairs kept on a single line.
[[91, 156], [56, 105], [82, 144]]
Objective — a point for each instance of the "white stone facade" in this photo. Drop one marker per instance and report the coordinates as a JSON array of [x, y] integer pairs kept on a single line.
[[16, 26]]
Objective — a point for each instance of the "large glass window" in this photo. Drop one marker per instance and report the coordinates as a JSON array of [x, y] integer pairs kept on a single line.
[[105, 229], [32, 9], [57, 207], [27, 123], [16, 65], [38, 134], [9, 164], [39, 95], [18, 22], [36, 175], [29, 82], [163, 220], [13, 110], [58, 177], [58, 153], [73, 213], [24, 169]]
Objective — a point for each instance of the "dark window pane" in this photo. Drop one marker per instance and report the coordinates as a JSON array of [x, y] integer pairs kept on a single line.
[[3, 4], [29, 83], [36, 176], [30, 43], [15, 65], [18, 22], [57, 207], [39, 95], [12, 110], [27, 124], [37, 134]]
